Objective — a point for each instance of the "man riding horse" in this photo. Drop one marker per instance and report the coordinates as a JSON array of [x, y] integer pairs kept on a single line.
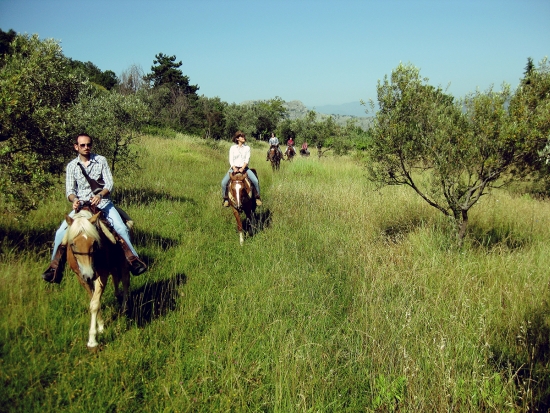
[[274, 143], [89, 170]]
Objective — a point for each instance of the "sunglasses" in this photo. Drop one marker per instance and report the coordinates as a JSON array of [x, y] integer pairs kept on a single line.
[[85, 145]]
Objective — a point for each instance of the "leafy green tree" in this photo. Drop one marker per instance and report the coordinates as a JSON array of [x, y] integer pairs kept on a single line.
[[114, 121], [286, 131], [36, 90], [172, 100], [256, 119], [304, 128], [212, 110], [529, 67], [450, 153], [530, 123], [321, 134], [106, 80], [5, 39], [165, 72], [267, 114]]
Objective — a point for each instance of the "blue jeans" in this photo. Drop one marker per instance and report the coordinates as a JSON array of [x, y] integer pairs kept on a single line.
[[114, 219], [251, 176]]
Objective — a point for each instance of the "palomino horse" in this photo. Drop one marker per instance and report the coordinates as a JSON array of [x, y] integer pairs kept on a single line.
[[241, 199], [290, 152], [274, 158], [93, 254]]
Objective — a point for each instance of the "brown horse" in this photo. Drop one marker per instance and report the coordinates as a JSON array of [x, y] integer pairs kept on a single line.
[[290, 152], [93, 254], [242, 199], [274, 158]]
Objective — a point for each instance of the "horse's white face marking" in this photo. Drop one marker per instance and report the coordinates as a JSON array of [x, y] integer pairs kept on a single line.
[[86, 271], [238, 190]]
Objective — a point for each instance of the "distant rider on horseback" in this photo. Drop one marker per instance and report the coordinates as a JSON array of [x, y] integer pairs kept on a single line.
[[289, 144], [274, 142], [78, 188]]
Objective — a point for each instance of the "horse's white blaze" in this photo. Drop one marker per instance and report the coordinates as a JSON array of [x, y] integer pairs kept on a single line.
[[238, 188]]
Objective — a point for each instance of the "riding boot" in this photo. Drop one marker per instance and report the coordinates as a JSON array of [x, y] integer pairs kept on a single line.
[[256, 196], [225, 199], [137, 266], [54, 274]]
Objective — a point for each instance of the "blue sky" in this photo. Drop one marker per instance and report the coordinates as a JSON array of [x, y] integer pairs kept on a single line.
[[320, 52]]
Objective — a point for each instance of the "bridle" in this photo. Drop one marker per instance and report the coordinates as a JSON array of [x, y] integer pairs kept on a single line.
[[88, 254], [237, 186]]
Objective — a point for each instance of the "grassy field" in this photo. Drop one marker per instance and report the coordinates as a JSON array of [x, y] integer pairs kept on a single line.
[[346, 299]]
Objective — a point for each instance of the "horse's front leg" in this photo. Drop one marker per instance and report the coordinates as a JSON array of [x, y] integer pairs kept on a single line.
[[96, 321], [239, 225]]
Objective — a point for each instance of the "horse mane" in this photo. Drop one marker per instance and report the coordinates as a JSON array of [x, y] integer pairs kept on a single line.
[[81, 225]]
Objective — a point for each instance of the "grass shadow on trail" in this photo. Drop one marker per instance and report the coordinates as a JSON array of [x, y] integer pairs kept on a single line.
[[154, 300], [526, 354], [132, 196], [397, 232], [495, 238], [36, 240], [258, 222], [40, 239]]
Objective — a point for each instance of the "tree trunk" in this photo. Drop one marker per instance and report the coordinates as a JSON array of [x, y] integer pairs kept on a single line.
[[462, 226]]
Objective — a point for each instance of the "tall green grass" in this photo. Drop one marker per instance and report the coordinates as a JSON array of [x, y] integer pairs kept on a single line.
[[346, 298]]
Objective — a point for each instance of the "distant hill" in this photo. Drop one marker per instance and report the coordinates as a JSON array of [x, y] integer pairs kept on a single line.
[[297, 110], [346, 109]]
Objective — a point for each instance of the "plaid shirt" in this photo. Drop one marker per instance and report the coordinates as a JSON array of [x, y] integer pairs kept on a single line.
[[77, 184]]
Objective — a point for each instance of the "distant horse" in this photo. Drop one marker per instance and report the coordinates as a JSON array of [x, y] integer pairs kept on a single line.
[[241, 199], [93, 254], [304, 152], [290, 152], [274, 158]]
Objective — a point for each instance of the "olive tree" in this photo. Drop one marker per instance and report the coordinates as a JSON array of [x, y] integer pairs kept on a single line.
[[450, 152], [114, 121], [36, 90]]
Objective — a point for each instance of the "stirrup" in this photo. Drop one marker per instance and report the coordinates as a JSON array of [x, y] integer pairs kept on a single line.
[[137, 267], [53, 275]]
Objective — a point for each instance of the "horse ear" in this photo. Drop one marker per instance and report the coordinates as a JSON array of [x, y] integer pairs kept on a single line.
[[94, 218], [69, 220]]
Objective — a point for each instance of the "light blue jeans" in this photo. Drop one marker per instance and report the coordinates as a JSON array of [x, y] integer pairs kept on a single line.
[[251, 176], [112, 216]]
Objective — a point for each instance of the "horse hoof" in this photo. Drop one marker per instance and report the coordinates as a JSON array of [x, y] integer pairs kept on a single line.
[[93, 349]]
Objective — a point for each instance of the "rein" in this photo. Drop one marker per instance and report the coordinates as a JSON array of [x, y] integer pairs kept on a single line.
[[89, 254]]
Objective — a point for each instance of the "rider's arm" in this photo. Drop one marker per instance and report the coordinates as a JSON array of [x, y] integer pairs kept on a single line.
[[70, 184], [107, 178], [74, 199]]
